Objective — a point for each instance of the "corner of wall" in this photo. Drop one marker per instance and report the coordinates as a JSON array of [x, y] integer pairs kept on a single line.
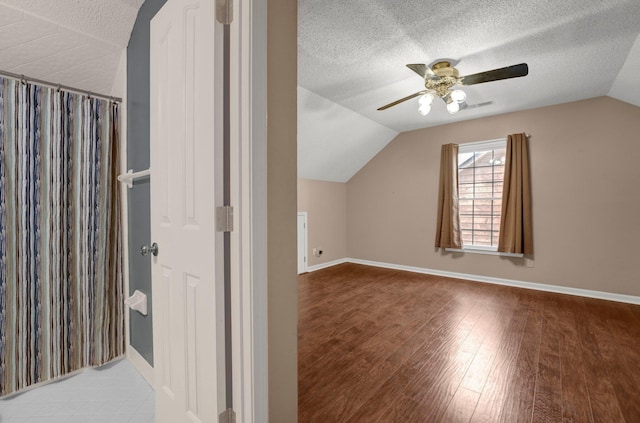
[[281, 210], [119, 86]]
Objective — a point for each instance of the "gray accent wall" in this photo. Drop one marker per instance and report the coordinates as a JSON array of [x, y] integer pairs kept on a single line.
[[141, 327]]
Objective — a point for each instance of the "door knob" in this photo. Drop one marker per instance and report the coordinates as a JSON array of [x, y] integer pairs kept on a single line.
[[153, 249]]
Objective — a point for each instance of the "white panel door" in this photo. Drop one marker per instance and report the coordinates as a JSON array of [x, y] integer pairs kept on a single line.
[[302, 242], [186, 143]]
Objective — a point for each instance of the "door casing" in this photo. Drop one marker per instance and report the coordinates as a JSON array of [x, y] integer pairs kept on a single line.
[[303, 245]]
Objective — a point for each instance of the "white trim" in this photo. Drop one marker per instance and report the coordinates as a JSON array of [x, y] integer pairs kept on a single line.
[[327, 264], [474, 147], [305, 268], [558, 289], [248, 195], [480, 250], [141, 365], [124, 203]]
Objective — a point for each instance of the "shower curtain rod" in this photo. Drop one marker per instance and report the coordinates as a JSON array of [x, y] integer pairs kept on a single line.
[[58, 86]]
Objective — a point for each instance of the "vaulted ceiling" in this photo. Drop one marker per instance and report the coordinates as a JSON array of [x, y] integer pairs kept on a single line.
[[352, 57], [71, 42], [354, 54]]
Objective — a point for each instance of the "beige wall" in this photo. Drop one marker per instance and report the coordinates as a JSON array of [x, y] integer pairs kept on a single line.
[[326, 207], [585, 169], [281, 209]]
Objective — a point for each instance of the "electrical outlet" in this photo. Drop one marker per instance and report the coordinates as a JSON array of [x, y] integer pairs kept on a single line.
[[314, 252], [528, 262]]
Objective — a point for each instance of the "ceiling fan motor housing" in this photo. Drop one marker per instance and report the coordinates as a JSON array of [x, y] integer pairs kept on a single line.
[[449, 77], [443, 69]]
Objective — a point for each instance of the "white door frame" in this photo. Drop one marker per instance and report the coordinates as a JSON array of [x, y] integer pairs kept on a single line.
[[249, 198], [248, 190], [305, 267]]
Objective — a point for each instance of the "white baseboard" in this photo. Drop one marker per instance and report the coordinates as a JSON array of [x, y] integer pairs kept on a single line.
[[327, 264], [141, 365], [601, 295]]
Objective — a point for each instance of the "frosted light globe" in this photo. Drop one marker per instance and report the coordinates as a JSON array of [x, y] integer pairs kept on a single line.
[[458, 96]]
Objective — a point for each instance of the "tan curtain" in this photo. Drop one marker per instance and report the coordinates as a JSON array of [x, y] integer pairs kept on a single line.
[[448, 227], [515, 226]]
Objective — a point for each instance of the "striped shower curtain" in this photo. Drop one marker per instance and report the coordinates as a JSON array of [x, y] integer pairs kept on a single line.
[[61, 291]]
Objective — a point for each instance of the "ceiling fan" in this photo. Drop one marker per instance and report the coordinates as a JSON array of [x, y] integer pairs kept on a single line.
[[441, 78]]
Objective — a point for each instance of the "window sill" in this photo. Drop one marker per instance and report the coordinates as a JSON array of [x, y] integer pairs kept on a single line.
[[482, 251]]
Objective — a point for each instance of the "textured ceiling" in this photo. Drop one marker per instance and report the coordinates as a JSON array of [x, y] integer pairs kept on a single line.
[[354, 53], [75, 43]]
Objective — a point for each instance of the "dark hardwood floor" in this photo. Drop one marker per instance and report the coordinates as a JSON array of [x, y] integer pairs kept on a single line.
[[379, 345]]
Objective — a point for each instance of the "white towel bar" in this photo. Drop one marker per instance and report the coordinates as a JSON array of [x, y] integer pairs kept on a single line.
[[130, 176]]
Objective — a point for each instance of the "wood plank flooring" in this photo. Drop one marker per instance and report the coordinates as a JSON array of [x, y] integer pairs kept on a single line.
[[379, 345]]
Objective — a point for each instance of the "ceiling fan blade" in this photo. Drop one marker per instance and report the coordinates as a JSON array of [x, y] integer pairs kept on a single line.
[[514, 71], [423, 70], [409, 97], [465, 106]]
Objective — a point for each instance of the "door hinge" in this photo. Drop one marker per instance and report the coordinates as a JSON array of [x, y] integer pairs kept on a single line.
[[228, 416], [224, 219], [224, 11]]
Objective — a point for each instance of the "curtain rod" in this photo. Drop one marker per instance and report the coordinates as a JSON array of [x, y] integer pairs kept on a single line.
[[58, 86]]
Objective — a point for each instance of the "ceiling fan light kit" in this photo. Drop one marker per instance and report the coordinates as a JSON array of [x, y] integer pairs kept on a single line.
[[426, 99], [441, 78], [458, 96], [424, 109], [453, 107]]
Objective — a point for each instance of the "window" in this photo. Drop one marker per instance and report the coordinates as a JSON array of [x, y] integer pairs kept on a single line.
[[480, 178]]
